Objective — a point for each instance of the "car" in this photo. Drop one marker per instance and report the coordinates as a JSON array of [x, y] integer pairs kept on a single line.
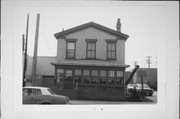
[[146, 89], [138, 89], [42, 95]]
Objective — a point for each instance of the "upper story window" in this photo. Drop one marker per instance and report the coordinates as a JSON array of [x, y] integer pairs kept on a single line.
[[111, 50], [71, 48], [70, 54], [91, 48]]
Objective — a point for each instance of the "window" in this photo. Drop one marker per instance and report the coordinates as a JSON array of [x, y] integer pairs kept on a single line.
[[111, 77], [94, 77], [86, 72], [69, 75], [86, 77], [111, 50], [111, 73], [60, 75], [91, 50], [94, 73], [70, 50], [29, 92], [103, 77], [77, 77], [39, 92], [119, 79]]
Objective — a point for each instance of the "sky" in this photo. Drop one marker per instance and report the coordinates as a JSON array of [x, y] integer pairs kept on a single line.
[[143, 24]]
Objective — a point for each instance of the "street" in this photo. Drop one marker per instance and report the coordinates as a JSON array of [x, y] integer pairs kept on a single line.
[[87, 102]]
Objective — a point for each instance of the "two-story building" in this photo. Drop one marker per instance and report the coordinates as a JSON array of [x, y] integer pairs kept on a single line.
[[91, 61]]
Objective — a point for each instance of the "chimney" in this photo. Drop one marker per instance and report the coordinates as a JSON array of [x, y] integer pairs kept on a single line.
[[118, 25]]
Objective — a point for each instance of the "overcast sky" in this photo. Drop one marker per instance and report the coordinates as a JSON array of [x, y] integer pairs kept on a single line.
[[143, 24]]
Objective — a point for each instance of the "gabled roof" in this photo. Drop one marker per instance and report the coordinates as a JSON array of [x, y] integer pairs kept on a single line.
[[91, 24]]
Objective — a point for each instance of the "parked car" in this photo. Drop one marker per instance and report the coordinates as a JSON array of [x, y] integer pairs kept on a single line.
[[138, 88], [42, 95], [146, 89]]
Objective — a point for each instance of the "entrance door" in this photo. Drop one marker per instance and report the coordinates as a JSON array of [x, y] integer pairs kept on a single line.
[[68, 81]]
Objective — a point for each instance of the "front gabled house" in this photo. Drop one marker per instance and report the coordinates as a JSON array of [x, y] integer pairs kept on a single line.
[[91, 62]]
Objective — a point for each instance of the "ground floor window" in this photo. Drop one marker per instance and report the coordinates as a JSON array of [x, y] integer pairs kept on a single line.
[[94, 80], [111, 77], [94, 77], [119, 79], [78, 76]]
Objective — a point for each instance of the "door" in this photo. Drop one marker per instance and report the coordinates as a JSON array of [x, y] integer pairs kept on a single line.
[[68, 80]]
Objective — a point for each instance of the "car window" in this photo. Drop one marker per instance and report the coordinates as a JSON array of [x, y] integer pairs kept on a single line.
[[30, 92], [39, 92], [144, 86], [50, 91], [27, 91]]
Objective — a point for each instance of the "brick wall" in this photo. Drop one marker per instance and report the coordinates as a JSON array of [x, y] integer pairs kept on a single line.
[[101, 94]]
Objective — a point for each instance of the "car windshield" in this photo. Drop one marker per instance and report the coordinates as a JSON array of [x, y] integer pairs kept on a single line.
[[50, 91]]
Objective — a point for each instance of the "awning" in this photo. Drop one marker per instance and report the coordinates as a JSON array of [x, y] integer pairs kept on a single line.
[[102, 63]]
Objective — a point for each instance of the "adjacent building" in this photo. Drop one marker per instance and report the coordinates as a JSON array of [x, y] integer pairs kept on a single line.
[[149, 76]]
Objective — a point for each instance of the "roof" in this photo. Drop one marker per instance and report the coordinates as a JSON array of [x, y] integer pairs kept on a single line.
[[91, 24], [90, 63]]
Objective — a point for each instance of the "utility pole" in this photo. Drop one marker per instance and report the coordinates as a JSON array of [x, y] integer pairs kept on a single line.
[[35, 50], [148, 60], [25, 49]]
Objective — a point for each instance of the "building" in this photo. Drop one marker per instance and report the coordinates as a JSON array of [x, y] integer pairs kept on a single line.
[[149, 76], [44, 71], [90, 62]]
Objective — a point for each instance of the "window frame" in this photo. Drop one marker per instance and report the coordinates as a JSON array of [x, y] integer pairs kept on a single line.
[[108, 42], [94, 76], [70, 41], [92, 50]]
